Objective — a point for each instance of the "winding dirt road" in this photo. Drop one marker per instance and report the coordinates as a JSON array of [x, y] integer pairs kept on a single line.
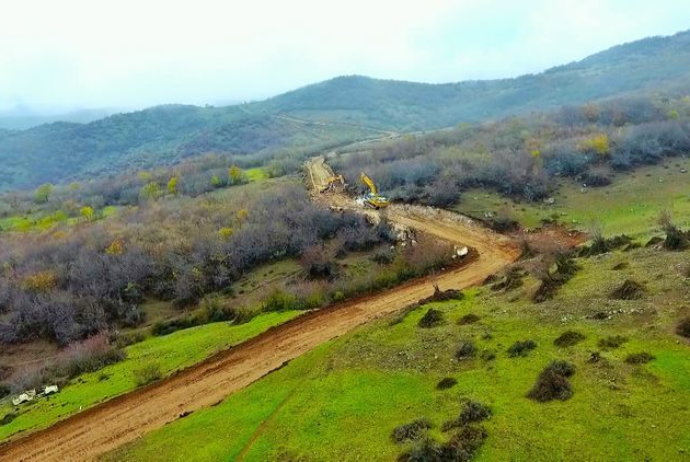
[[104, 427]]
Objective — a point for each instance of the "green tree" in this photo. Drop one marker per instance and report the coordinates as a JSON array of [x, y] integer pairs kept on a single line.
[[43, 192], [172, 185], [235, 175], [150, 191], [216, 182], [86, 212], [145, 176]]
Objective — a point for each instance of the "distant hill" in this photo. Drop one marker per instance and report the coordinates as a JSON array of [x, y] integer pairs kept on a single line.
[[335, 111], [650, 63], [22, 119]]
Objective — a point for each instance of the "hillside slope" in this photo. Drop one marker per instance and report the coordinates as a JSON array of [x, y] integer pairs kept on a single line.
[[656, 62], [339, 110]]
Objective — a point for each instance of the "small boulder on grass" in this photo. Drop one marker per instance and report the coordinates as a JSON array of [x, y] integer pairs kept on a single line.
[[569, 338], [553, 383], [683, 328], [521, 348], [629, 290], [432, 318]]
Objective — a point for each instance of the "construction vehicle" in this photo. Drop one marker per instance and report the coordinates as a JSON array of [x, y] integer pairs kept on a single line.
[[333, 182], [373, 199]]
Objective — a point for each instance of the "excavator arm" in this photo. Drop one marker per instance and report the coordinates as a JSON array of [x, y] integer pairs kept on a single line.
[[372, 186]]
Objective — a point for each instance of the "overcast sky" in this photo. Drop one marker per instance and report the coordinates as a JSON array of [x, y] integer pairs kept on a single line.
[[132, 53]]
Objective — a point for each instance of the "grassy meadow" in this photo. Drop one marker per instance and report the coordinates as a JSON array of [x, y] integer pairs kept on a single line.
[[170, 353], [343, 400], [630, 205]]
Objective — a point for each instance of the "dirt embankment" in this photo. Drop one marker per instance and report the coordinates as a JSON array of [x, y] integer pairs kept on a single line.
[[105, 427]]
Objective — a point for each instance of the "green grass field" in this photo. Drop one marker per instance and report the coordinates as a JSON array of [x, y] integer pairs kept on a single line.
[[341, 401], [172, 352], [630, 205]]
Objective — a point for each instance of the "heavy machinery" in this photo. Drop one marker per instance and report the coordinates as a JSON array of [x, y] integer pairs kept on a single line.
[[333, 182], [373, 199]]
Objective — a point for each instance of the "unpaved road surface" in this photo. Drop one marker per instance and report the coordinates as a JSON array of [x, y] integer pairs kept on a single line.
[[104, 427]]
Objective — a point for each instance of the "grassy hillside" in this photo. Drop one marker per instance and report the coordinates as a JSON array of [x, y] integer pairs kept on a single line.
[[630, 205], [327, 114], [343, 401], [154, 137], [169, 354]]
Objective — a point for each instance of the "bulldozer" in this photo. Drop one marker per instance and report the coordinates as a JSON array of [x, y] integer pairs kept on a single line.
[[373, 199], [333, 182]]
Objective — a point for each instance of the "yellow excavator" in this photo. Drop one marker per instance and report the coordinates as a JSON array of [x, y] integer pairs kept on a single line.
[[373, 199], [333, 182]]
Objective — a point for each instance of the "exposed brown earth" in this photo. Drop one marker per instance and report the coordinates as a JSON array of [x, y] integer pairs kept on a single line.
[[104, 427]]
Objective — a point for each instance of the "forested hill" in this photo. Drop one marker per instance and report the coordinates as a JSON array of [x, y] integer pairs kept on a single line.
[[658, 63], [325, 114]]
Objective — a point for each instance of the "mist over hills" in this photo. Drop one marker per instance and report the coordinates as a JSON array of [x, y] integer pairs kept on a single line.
[[328, 113]]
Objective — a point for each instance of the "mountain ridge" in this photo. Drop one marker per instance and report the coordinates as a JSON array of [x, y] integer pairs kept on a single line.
[[167, 133]]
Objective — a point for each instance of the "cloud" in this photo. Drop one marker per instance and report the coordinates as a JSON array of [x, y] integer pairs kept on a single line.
[[77, 53]]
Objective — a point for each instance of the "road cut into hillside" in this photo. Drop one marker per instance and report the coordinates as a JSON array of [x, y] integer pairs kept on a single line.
[[106, 426]]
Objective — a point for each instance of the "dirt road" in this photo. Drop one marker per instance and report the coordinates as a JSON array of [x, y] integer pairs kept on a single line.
[[105, 427]]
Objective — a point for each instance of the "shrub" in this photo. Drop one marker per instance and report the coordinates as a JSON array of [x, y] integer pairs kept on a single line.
[[465, 350], [147, 374], [90, 355], [488, 355], [5, 390], [383, 256], [512, 280], [629, 290], [563, 368], [521, 348], [620, 266], [595, 180], [446, 383], [463, 445], [639, 358], [468, 319], [426, 449], [432, 318], [126, 339], [553, 383], [443, 295], [474, 411], [281, 301], [675, 238], [683, 327], [412, 431], [654, 241], [7, 418], [569, 338], [168, 327], [601, 245], [612, 342]]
